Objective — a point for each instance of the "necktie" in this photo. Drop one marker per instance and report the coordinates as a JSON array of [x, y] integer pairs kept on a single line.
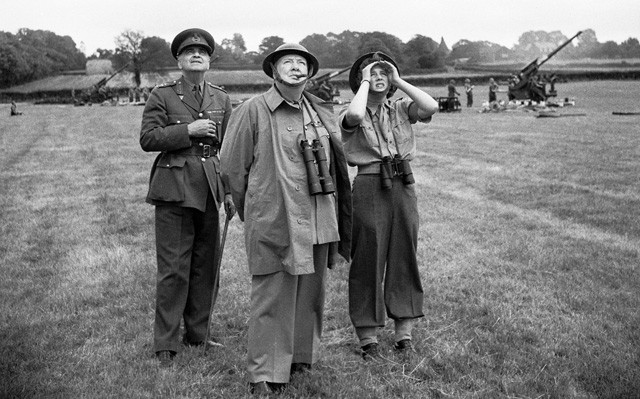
[[196, 92]]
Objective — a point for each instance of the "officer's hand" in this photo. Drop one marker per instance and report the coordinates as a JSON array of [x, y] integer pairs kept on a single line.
[[202, 128], [229, 207]]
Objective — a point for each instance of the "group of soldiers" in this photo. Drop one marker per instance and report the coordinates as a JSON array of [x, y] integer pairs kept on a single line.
[[279, 160]]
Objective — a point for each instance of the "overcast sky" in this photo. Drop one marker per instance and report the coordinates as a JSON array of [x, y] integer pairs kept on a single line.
[[94, 24]]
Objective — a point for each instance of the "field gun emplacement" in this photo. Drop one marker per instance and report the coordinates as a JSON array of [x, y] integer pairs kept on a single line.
[[321, 86], [98, 92], [529, 85]]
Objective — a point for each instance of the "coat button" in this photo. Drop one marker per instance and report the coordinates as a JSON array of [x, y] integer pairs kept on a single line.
[[297, 188], [203, 159], [177, 121], [289, 128], [299, 221], [200, 144], [200, 114]]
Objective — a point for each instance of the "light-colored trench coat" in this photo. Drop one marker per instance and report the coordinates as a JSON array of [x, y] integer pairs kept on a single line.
[[269, 186]]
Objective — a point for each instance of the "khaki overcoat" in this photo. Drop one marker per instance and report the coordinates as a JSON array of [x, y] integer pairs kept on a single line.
[[267, 179]]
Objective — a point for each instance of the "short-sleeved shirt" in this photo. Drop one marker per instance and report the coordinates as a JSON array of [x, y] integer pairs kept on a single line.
[[369, 142]]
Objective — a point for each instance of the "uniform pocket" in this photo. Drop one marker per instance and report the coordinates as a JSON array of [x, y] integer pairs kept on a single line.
[[216, 115], [167, 181]]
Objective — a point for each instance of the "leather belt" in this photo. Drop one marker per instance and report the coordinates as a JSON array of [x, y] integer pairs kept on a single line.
[[202, 150]]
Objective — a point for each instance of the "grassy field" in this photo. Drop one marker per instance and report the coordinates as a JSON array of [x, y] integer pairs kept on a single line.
[[529, 251]]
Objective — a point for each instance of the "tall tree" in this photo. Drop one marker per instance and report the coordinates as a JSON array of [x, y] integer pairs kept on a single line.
[[129, 51], [269, 44], [14, 68], [155, 54], [235, 48], [35, 54], [630, 48], [421, 52], [381, 41], [345, 47], [319, 46]]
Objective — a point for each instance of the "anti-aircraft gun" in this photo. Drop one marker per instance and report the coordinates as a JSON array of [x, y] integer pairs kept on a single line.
[[529, 85], [98, 92], [321, 86]]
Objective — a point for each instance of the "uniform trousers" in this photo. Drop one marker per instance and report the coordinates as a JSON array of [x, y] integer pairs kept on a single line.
[[187, 243], [384, 275], [286, 320]]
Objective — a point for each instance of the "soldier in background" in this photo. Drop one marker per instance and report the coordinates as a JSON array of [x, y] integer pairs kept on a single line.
[[185, 120], [493, 91], [14, 109], [453, 94], [468, 89]]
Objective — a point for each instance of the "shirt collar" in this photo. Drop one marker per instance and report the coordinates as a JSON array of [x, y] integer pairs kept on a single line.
[[384, 105], [274, 99]]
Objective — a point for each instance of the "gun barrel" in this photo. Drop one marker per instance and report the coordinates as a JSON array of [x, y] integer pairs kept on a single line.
[[554, 52], [330, 75]]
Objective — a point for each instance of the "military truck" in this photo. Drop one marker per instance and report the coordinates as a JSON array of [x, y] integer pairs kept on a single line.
[[528, 84]]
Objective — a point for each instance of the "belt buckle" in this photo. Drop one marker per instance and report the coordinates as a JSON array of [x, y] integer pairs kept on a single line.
[[206, 151]]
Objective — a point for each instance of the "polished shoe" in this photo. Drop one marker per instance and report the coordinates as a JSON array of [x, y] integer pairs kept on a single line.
[[165, 358], [300, 368], [403, 345], [210, 343], [371, 351]]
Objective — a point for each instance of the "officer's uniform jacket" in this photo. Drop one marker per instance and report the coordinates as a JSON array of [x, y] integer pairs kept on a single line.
[[186, 169]]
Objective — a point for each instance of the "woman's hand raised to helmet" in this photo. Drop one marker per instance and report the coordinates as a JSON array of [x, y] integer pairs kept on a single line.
[[366, 71], [394, 76]]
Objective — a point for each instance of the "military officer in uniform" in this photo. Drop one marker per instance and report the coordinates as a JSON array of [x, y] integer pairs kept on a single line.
[[185, 121]]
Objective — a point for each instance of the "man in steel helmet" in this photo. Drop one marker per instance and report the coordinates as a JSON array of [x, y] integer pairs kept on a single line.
[[297, 217], [185, 121], [378, 138]]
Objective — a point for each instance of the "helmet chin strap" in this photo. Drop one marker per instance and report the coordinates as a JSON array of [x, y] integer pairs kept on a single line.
[[277, 78]]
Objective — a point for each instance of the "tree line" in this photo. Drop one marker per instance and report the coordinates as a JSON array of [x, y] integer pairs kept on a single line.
[[34, 54]]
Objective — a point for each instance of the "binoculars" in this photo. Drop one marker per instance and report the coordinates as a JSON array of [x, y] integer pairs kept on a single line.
[[315, 162], [396, 166]]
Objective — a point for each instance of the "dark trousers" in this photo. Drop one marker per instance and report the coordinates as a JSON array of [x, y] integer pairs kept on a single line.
[[384, 275], [187, 243]]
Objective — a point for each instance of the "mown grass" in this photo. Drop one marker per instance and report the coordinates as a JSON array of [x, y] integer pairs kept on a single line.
[[528, 248]]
